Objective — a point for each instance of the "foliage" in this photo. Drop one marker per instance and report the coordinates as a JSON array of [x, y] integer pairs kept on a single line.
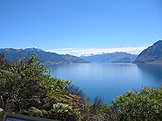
[[64, 112], [33, 111], [22, 85], [3, 63], [72, 89], [143, 105], [98, 111], [27, 88]]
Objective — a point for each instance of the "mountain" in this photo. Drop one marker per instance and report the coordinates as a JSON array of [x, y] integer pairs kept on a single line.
[[117, 57], [151, 55], [44, 57], [123, 60]]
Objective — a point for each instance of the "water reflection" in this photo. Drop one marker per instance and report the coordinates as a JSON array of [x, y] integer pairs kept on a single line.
[[109, 80], [153, 72]]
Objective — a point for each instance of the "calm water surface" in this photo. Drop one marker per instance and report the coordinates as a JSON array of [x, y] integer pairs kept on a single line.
[[109, 80]]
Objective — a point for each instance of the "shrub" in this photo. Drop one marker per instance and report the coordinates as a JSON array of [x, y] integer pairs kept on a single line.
[[143, 105], [33, 112], [64, 112]]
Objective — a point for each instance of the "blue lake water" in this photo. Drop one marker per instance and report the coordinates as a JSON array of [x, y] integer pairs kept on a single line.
[[109, 80]]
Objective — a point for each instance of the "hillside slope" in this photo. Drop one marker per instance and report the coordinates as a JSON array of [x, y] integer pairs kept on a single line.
[[44, 57], [151, 55]]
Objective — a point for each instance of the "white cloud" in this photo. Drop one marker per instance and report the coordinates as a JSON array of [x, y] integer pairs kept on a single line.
[[88, 51]]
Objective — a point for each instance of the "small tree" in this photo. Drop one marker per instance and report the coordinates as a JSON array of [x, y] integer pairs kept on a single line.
[[22, 85]]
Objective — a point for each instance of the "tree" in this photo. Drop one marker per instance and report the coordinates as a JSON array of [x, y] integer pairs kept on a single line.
[[27, 88], [22, 85]]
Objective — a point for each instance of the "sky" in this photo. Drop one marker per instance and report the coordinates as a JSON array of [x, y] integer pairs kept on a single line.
[[80, 26]]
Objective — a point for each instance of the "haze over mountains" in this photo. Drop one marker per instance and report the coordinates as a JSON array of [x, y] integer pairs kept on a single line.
[[151, 55], [50, 58], [117, 57]]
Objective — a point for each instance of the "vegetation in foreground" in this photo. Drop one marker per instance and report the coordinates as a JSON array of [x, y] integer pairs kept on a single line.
[[26, 87]]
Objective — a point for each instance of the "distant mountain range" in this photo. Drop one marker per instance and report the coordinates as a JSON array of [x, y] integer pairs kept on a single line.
[[44, 57], [151, 55], [117, 57]]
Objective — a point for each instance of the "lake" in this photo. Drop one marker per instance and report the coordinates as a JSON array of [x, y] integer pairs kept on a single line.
[[109, 80]]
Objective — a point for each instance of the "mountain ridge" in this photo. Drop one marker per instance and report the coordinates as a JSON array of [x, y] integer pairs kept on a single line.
[[151, 55], [48, 58], [116, 57]]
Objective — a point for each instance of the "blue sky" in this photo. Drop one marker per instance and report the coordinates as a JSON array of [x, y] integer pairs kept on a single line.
[[75, 26]]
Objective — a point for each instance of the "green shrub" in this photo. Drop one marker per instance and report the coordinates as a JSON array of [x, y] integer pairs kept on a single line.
[[64, 112], [33, 112], [145, 105]]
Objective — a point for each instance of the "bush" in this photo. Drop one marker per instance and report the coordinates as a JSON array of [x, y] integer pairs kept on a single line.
[[64, 112], [145, 105], [33, 112]]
